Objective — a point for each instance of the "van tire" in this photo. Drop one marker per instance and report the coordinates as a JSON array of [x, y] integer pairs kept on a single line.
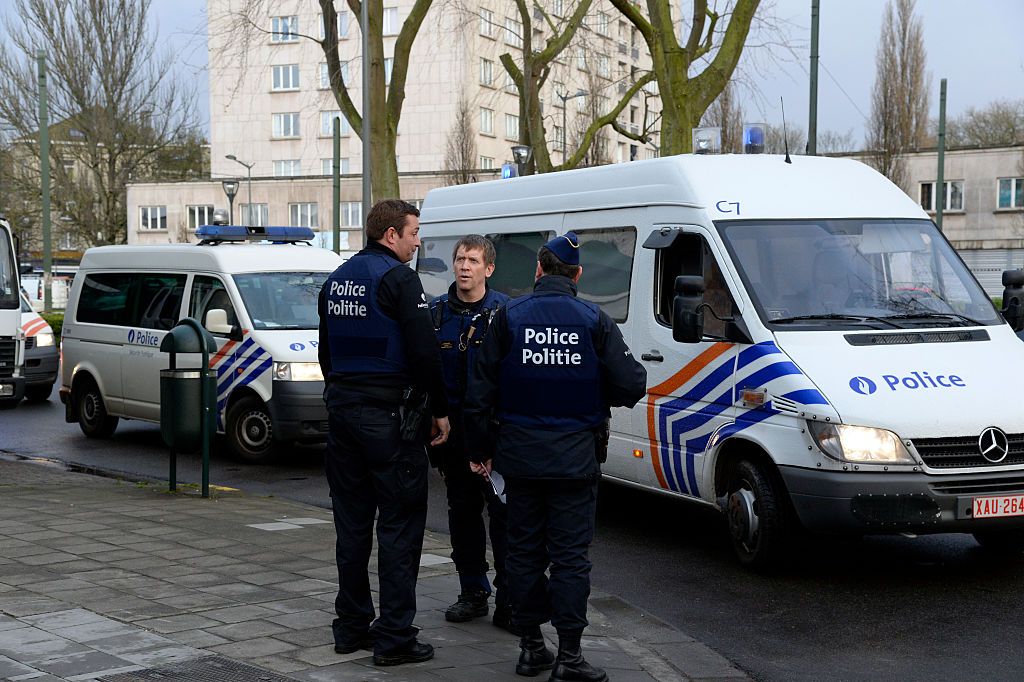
[[250, 431], [757, 514], [1005, 542], [92, 413]]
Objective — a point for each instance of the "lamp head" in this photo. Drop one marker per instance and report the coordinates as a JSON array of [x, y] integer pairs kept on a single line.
[[230, 187], [521, 153]]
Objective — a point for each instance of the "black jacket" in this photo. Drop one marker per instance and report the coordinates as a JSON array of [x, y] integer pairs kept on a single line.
[[400, 296], [533, 453]]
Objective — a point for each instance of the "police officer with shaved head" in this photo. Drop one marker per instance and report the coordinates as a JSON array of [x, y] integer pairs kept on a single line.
[[548, 372]]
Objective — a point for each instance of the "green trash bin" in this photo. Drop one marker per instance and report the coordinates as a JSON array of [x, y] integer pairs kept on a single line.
[[181, 407]]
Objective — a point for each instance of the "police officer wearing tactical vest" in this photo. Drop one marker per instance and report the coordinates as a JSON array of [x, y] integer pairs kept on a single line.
[[549, 370], [384, 393], [461, 320]]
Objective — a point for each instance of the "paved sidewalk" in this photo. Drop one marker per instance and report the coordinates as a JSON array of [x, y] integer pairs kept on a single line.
[[112, 580]]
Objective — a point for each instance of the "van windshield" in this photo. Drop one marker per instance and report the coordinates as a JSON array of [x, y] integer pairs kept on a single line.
[[281, 300], [8, 274], [854, 273]]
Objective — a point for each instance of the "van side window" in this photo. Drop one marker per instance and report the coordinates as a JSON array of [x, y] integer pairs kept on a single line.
[[691, 255], [159, 301], [105, 299], [208, 293], [515, 262], [606, 255]]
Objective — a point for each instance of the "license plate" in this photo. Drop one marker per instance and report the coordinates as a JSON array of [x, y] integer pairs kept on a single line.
[[1003, 505]]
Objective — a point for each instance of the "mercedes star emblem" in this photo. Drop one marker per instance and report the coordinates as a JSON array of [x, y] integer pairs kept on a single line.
[[993, 444]]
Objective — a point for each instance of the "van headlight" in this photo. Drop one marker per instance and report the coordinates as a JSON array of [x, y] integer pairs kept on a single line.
[[298, 371], [44, 339], [859, 444]]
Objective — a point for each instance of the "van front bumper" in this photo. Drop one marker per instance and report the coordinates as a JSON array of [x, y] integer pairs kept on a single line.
[[298, 411], [894, 502], [41, 365]]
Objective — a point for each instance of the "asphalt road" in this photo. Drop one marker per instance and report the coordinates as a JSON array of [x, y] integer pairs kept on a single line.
[[879, 608]]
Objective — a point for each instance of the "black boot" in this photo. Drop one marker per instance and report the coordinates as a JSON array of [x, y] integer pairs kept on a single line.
[[472, 603], [503, 618], [535, 656], [570, 665]]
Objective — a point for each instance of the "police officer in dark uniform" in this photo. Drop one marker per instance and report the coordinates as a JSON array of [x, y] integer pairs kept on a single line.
[[383, 371], [461, 320], [549, 370]]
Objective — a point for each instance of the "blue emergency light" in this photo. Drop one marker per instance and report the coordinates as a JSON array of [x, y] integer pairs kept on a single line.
[[753, 138], [509, 170], [216, 234]]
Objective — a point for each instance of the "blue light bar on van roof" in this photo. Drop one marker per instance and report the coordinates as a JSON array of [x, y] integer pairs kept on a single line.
[[215, 234]]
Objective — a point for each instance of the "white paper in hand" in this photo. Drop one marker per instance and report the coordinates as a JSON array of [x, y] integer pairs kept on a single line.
[[498, 484]]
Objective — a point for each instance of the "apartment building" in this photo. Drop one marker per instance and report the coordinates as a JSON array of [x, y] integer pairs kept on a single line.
[[272, 108]]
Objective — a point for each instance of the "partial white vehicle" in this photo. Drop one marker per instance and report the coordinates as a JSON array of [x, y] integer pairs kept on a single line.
[[12, 345], [258, 300], [817, 353], [42, 358]]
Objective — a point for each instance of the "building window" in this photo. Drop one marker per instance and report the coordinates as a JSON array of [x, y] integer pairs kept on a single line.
[[486, 23], [512, 127], [581, 58], [288, 168], [486, 72], [325, 75], [604, 66], [388, 67], [556, 8], [953, 192], [327, 166], [199, 215], [1011, 193], [286, 125], [602, 24], [254, 215], [513, 32], [284, 29], [558, 135], [352, 213], [390, 21], [152, 217], [486, 162], [486, 121], [510, 84], [303, 215], [342, 25], [558, 90], [286, 77], [327, 123], [68, 169]]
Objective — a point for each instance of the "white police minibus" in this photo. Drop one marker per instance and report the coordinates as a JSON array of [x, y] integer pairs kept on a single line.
[[258, 300], [817, 353]]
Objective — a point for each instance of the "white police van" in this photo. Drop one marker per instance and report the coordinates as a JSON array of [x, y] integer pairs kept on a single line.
[[817, 353], [258, 300]]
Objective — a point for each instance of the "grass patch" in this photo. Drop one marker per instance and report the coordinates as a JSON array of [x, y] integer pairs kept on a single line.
[[56, 322]]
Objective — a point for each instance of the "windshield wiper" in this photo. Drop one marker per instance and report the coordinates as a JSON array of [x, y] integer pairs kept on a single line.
[[932, 315], [837, 316]]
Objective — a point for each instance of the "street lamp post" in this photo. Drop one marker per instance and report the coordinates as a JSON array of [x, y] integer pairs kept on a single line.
[[521, 154], [248, 170], [231, 189], [565, 132]]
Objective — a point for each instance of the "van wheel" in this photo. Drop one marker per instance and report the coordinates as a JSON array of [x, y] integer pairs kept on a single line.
[[758, 515], [1006, 542], [38, 394], [92, 413], [250, 431]]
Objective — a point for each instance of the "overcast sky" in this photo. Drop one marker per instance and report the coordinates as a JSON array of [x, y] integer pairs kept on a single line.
[[977, 46]]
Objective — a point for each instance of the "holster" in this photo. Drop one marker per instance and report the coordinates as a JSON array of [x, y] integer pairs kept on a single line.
[[414, 413], [601, 436]]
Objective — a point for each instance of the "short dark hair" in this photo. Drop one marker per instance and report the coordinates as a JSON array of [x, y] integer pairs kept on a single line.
[[550, 265], [388, 213], [476, 241]]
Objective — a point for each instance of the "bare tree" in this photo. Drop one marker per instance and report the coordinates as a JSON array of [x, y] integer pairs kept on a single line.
[[686, 93], [775, 141], [834, 142], [460, 146], [899, 101], [726, 113], [115, 108], [999, 123], [246, 23]]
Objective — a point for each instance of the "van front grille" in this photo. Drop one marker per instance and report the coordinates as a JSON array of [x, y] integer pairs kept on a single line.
[[964, 451], [7, 349]]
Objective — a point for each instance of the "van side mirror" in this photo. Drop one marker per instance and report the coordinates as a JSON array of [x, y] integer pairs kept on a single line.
[[1013, 298], [687, 318], [217, 322]]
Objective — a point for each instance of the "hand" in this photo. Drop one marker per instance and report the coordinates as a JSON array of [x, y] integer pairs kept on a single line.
[[483, 469], [441, 427]]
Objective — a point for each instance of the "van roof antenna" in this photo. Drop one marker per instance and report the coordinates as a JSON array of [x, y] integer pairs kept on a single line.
[[785, 136]]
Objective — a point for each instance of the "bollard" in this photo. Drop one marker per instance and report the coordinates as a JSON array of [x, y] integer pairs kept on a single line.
[[188, 397]]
